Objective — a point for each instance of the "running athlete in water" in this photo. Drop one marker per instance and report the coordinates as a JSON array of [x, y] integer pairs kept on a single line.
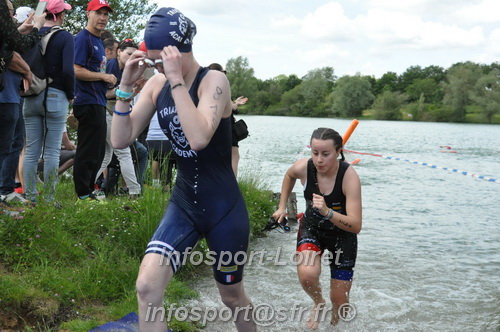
[[194, 110], [332, 220]]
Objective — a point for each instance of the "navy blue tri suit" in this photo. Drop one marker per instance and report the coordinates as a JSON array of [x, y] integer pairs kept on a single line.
[[206, 200], [318, 235]]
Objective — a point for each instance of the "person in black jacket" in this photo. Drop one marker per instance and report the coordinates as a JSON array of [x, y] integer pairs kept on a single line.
[[13, 41]]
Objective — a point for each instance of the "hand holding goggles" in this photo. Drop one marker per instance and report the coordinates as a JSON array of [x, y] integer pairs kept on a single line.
[[273, 223], [150, 63]]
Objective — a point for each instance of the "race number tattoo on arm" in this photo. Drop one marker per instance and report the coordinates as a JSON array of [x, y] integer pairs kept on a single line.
[[345, 223], [214, 116], [218, 93]]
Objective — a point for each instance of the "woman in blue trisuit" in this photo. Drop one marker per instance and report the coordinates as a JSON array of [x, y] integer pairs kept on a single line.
[[193, 106], [332, 220]]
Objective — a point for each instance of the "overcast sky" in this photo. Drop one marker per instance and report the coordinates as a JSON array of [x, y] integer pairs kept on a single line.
[[371, 37]]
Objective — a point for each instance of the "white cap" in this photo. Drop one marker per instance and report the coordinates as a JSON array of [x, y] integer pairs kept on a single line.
[[22, 13]]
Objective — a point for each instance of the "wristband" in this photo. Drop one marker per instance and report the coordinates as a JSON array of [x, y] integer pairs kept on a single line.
[[122, 94], [122, 113], [125, 100], [329, 215], [177, 85]]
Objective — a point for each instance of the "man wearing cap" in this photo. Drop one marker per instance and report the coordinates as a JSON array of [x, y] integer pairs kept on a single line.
[[45, 125], [193, 106], [90, 99]]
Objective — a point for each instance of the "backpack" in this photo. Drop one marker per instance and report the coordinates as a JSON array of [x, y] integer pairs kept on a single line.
[[35, 59]]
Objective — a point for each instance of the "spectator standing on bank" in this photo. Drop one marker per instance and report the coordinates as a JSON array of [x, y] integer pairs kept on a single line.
[[115, 66], [45, 114], [89, 106], [110, 47], [13, 68]]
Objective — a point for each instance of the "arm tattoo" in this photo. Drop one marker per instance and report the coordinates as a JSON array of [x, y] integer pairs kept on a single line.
[[345, 223], [218, 93], [214, 116]]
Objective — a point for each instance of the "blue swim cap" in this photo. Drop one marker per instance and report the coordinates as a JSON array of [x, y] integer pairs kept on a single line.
[[169, 27]]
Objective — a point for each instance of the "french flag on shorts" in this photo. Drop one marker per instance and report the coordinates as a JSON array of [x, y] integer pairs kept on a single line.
[[229, 278]]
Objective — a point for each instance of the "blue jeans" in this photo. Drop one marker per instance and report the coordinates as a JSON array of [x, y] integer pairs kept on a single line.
[[140, 155], [11, 145], [44, 130]]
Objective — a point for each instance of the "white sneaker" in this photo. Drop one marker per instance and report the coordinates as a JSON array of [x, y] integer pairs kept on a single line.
[[15, 197], [99, 194]]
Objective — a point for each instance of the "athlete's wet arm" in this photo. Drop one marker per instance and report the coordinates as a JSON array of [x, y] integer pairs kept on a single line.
[[352, 222], [200, 123], [297, 171], [125, 128]]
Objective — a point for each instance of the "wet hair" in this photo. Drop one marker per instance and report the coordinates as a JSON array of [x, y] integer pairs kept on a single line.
[[127, 43], [109, 43], [326, 134]]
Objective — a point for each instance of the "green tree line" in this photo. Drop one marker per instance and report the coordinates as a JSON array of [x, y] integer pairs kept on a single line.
[[464, 92]]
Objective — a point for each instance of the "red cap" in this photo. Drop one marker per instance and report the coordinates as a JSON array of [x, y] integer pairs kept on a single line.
[[142, 47], [98, 4]]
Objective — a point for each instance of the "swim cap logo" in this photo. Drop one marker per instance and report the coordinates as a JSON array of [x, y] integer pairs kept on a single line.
[[178, 35]]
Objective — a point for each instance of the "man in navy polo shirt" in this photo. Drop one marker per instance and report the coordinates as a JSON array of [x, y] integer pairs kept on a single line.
[[90, 98]]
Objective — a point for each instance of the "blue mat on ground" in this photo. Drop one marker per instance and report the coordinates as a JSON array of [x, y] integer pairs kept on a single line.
[[128, 323]]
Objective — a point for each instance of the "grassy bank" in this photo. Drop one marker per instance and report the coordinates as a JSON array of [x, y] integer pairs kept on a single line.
[[74, 268]]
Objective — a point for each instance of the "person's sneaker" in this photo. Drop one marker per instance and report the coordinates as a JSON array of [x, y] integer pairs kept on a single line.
[[89, 200], [14, 197], [99, 194], [19, 190]]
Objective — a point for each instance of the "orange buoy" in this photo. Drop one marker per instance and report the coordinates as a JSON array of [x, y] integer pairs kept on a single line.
[[355, 161], [349, 131]]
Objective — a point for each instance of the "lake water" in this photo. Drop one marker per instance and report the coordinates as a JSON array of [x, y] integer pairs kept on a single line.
[[429, 251]]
